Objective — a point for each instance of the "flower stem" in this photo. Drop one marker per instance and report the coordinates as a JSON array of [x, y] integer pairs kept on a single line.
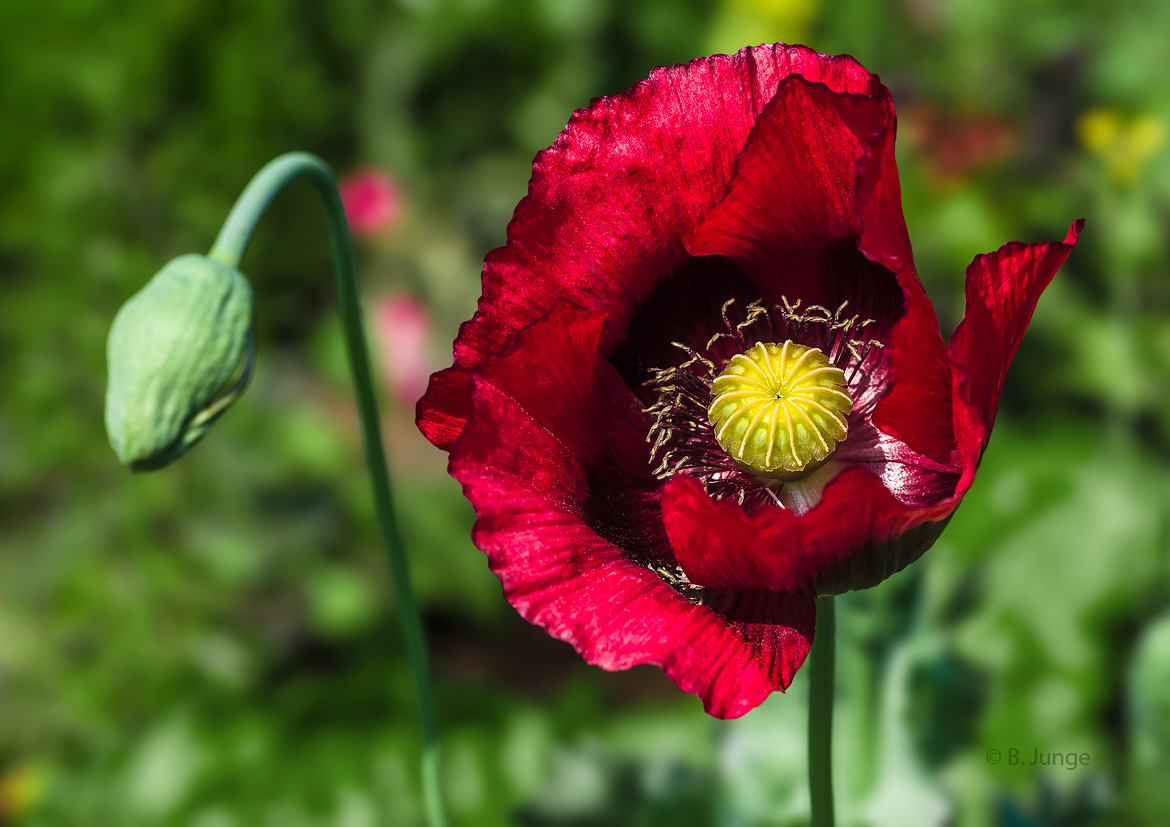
[[229, 247], [820, 714]]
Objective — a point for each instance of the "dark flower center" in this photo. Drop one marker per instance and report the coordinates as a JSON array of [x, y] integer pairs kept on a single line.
[[746, 416]]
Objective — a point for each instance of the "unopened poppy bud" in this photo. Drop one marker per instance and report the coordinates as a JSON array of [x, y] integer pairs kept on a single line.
[[180, 352]]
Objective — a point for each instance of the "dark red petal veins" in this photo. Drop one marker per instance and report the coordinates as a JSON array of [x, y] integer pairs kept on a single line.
[[778, 629], [1002, 290], [857, 536], [564, 578], [610, 199]]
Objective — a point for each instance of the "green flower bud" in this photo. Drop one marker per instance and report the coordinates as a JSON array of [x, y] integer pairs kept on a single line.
[[180, 352]]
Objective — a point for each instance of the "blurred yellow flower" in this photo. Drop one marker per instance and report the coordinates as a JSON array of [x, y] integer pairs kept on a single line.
[[1123, 147], [742, 23], [778, 9], [20, 789]]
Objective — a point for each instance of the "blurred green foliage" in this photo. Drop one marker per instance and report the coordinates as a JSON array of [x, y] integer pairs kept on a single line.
[[214, 645]]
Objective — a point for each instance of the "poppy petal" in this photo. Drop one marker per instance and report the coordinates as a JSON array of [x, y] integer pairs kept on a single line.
[[801, 161], [607, 204], [561, 576], [594, 456], [918, 408], [857, 536], [833, 231], [1002, 290], [528, 471], [915, 480]]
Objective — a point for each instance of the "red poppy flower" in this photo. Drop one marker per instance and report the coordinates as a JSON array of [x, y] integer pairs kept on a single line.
[[736, 217]]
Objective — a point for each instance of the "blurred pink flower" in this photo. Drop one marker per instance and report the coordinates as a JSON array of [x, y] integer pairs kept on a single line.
[[403, 326], [372, 202]]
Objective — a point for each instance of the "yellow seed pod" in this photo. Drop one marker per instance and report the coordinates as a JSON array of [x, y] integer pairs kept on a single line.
[[780, 411]]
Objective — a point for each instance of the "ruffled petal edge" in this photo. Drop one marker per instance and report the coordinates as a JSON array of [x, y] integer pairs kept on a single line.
[[525, 465], [1002, 289]]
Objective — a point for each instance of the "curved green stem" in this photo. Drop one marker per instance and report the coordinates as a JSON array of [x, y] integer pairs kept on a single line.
[[229, 247], [820, 714]]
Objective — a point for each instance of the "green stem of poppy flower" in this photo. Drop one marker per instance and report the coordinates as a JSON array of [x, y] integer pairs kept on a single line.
[[229, 247], [820, 714]]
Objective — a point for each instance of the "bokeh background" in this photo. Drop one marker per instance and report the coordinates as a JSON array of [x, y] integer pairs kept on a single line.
[[215, 645]]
